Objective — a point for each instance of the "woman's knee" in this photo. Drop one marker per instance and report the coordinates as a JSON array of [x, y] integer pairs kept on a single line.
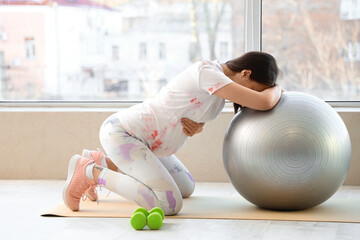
[[188, 191], [180, 174], [171, 202], [185, 183]]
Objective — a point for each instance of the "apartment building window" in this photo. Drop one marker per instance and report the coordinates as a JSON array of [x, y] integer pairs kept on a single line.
[[30, 48], [115, 53], [162, 51], [350, 9], [142, 51], [353, 51]]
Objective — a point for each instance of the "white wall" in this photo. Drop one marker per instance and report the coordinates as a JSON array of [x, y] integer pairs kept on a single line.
[[38, 145]]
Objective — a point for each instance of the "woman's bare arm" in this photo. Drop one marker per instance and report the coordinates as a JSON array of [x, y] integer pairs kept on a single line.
[[247, 97]]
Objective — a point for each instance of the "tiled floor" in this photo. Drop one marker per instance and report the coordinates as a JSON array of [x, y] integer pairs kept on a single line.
[[22, 202]]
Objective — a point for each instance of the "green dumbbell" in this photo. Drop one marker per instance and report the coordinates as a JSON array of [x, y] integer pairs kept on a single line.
[[155, 218], [142, 210], [139, 218]]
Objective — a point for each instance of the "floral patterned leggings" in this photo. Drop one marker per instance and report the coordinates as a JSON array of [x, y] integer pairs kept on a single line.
[[142, 177]]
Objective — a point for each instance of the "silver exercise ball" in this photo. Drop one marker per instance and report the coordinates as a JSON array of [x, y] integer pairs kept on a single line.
[[292, 157]]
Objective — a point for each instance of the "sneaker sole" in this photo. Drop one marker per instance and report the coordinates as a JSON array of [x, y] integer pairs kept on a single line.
[[71, 170]]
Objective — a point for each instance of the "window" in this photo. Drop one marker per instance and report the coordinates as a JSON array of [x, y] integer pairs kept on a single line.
[[110, 50], [316, 44], [30, 48], [142, 51], [350, 9], [73, 47], [115, 53], [353, 51], [162, 51]]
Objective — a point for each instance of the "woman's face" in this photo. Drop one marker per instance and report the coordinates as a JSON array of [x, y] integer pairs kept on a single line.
[[243, 79]]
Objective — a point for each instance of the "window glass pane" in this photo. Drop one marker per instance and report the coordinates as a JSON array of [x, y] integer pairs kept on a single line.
[[110, 49], [316, 43]]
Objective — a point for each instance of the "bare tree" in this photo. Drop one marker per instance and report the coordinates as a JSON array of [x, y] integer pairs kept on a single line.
[[211, 18], [311, 43]]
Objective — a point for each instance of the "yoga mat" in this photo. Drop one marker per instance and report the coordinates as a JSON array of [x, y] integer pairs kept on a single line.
[[218, 207]]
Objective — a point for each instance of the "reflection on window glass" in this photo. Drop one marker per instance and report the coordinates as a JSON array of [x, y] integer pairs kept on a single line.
[[110, 49], [316, 44]]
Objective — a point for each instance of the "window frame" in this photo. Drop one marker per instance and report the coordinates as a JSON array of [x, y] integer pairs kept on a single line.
[[253, 42]]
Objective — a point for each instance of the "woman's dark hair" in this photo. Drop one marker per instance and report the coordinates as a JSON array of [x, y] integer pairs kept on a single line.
[[262, 65]]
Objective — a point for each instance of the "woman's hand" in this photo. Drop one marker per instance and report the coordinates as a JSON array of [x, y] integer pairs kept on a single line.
[[190, 127]]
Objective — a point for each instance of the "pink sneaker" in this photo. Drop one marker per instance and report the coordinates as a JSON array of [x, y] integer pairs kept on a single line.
[[98, 156], [77, 182]]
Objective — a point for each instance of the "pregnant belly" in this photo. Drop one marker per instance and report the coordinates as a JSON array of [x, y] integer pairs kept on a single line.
[[166, 141]]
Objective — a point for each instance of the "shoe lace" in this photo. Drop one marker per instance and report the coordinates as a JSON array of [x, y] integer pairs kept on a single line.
[[86, 193], [108, 193], [97, 200], [84, 196]]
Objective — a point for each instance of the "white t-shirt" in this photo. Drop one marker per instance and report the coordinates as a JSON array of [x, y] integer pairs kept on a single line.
[[157, 121]]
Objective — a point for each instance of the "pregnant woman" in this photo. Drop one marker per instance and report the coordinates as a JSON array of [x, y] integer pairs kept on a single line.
[[140, 142]]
